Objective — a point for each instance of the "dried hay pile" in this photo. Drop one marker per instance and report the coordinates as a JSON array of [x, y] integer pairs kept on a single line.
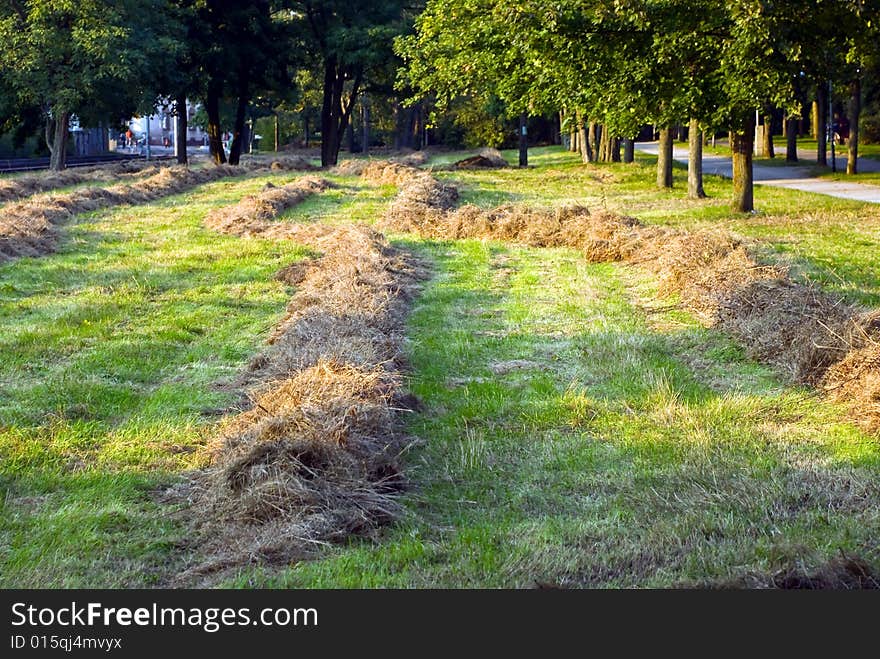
[[316, 458], [350, 167], [855, 379], [253, 214], [812, 336], [285, 163], [486, 159], [842, 573], [411, 159], [27, 228], [25, 186]]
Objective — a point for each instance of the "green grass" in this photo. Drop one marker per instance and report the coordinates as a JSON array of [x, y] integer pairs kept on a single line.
[[113, 350], [830, 240], [568, 442], [576, 430]]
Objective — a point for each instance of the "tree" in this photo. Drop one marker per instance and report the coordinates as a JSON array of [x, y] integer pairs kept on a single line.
[[237, 49], [349, 44], [76, 58]]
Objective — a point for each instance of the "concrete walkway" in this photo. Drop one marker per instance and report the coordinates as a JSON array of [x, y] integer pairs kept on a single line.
[[793, 177]]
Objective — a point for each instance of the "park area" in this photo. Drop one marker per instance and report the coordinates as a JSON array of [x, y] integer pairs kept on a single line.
[[436, 294], [408, 373]]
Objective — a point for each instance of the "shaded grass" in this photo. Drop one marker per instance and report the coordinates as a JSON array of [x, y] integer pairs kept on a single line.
[[615, 453]]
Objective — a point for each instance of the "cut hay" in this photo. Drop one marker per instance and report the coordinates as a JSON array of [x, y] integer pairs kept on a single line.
[[28, 228], [315, 461], [254, 213], [410, 159], [13, 189], [486, 159], [811, 336], [317, 457], [855, 379], [842, 573], [285, 163]]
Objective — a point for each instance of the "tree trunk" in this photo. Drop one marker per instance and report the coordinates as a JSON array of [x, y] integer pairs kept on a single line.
[[814, 120], [604, 146], [182, 123], [574, 130], [695, 161], [768, 137], [58, 142], [821, 109], [523, 141], [629, 150], [584, 143], [365, 106], [855, 110], [743, 181], [615, 149], [664, 159], [791, 135], [238, 128], [349, 134], [277, 133], [329, 123], [306, 132], [212, 109], [593, 139], [335, 111]]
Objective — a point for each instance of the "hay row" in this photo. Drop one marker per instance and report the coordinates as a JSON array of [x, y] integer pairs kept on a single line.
[[316, 457], [13, 189], [28, 228], [813, 337], [253, 215]]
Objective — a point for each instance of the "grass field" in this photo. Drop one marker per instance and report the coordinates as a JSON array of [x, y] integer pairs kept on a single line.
[[577, 429]]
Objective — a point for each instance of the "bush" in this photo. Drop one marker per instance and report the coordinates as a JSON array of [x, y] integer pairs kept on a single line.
[[870, 129]]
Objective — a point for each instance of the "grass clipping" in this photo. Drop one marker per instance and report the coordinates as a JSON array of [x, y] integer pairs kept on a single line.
[[29, 228], [316, 459], [13, 189], [811, 336]]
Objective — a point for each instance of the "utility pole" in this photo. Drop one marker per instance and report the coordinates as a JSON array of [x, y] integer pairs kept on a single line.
[[148, 136]]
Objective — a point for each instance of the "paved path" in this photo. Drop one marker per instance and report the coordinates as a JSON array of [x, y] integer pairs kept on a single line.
[[794, 177]]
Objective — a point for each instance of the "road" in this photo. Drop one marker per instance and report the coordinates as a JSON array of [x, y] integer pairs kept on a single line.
[[794, 177]]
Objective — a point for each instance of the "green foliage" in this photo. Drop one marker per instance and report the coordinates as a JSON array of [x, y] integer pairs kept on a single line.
[[472, 122], [87, 57]]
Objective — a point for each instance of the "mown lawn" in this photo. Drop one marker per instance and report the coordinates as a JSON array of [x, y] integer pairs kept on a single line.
[[114, 355], [572, 439], [577, 430]]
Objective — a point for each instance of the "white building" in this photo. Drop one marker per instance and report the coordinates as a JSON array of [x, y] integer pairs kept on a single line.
[[163, 128]]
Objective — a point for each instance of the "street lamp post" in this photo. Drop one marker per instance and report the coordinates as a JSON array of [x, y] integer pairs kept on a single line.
[[148, 136]]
